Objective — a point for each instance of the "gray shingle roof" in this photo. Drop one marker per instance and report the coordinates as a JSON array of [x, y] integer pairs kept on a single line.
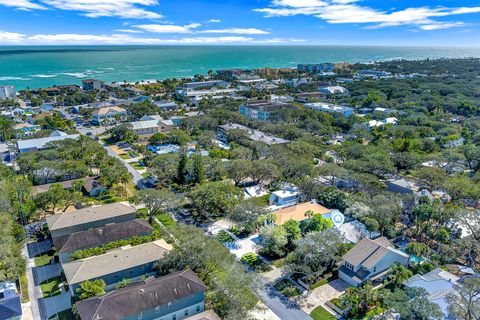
[[141, 296], [369, 252], [89, 214], [115, 261], [99, 236], [41, 142]]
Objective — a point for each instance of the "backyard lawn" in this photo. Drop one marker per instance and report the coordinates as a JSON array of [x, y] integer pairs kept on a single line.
[[50, 287], [124, 156], [319, 313], [43, 260]]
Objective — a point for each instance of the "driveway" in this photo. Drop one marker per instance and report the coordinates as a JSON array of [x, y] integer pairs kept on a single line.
[[320, 295], [137, 177]]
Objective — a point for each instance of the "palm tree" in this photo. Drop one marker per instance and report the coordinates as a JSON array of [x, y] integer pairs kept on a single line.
[[398, 274], [417, 249]]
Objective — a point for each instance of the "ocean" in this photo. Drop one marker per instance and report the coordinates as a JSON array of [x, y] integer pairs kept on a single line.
[[43, 66]]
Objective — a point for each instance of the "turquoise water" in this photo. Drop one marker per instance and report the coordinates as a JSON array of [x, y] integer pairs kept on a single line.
[[41, 66]]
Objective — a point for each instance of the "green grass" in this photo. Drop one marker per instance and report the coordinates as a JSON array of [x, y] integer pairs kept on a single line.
[[279, 262], [63, 315], [24, 287], [319, 313], [318, 284], [42, 260], [137, 166], [50, 287], [124, 156], [166, 219]]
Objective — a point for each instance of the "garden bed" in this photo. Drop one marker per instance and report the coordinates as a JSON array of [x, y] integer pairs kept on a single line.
[[252, 260], [288, 289]]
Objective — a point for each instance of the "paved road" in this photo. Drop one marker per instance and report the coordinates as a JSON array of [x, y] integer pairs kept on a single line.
[[137, 177]]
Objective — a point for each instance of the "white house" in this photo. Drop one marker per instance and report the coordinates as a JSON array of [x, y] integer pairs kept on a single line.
[[369, 260], [334, 90], [438, 283], [378, 123]]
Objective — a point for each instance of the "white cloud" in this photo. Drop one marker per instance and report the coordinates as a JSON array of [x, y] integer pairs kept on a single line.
[[87, 39], [108, 8], [129, 31], [349, 11], [168, 28], [10, 36], [22, 4], [236, 31], [214, 21], [440, 25]]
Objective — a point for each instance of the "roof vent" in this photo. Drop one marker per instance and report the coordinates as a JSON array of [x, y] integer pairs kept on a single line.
[[142, 290]]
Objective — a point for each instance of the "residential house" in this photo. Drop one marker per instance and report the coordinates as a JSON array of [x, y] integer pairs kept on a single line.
[[10, 306], [33, 145], [288, 195], [330, 108], [90, 185], [112, 267], [297, 212], [91, 238], [254, 191], [384, 110], [93, 187], [172, 297], [90, 217], [144, 129], [92, 84], [297, 82], [109, 115], [401, 186], [337, 90], [379, 123], [202, 88], [166, 105], [25, 129], [370, 260], [439, 284], [262, 109]]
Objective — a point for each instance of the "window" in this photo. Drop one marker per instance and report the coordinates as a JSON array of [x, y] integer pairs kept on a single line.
[[140, 316], [169, 305], [174, 317], [348, 265], [198, 308], [186, 312], [157, 309]]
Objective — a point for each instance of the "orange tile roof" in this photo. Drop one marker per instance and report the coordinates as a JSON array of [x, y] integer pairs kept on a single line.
[[297, 212]]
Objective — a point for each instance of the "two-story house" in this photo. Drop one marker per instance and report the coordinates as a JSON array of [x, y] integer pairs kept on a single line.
[[69, 243], [108, 115], [10, 307], [176, 296], [91, 217], [112, 267], [370, 260]]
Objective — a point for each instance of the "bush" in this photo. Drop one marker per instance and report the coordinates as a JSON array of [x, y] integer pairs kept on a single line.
[[251, 259], [287, 288], [224, 237]]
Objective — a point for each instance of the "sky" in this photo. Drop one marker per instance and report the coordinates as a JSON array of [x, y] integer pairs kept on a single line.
[[246, 22]]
